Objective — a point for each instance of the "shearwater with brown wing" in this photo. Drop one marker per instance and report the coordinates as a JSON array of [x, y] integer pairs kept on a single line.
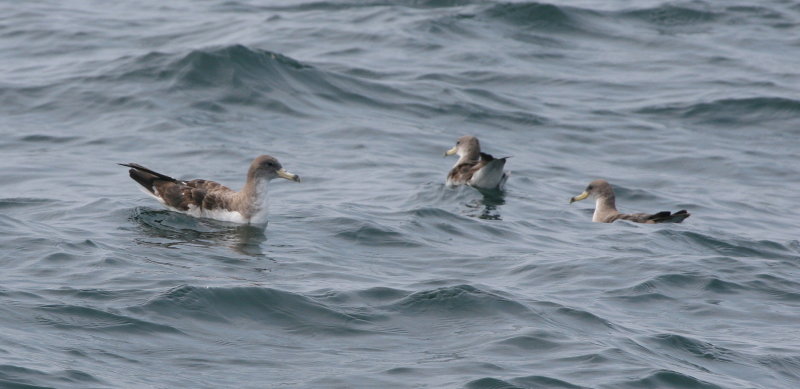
[[474, 168], [209, 199], [605, 210]]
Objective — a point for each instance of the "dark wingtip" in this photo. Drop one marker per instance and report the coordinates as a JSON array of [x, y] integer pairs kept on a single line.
[[139, 168], [660, 215], [682, 214], [677, 217], [133, 165]]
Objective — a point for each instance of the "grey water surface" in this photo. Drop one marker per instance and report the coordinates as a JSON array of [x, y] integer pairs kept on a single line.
[[372, 273]]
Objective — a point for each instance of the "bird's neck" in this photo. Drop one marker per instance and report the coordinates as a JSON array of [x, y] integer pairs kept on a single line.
[[253, 200], [471, 155], [603, 208]]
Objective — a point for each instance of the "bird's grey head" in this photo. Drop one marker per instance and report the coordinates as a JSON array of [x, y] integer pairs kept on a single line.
[[267, 166], [597, 189], [467, 145]]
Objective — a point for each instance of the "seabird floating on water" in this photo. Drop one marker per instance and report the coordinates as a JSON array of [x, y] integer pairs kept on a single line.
[[475, 168], [208, 199], [605, 210]]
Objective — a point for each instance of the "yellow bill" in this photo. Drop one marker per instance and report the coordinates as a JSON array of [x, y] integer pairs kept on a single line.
[[451, 151], [579, 197], [289, 176]]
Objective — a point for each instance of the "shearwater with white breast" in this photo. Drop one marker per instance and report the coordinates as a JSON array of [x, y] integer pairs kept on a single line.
[[209, 199]]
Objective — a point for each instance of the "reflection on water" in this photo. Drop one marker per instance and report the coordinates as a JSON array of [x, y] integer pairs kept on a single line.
[[172, 229], [487, 207]]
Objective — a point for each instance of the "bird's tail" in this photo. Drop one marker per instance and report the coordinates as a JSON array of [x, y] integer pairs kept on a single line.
[[669, 217], [146, 177]]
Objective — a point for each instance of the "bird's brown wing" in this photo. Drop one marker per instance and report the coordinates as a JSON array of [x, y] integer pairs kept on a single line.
[[660, 217], [179, 194], [461, 173], [203, 194]]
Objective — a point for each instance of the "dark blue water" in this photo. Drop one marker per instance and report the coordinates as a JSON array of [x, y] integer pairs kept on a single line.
[[371, 273]]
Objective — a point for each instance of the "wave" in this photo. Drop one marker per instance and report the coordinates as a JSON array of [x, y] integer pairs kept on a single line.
[[559, 19], [371, 233], [345, 5], [210, 79], [525, 344], [732, 112], [236, 64], [90, 319], [671, 15], [264, 306], [536, 381], [533, 15], [12, 376], [51, 139], [585, 319], [694, 347], [375, 296], [217, 80], [670, 287], [734, 246], [239, 75], [20, 202], [459, 300], [685, 282], [236, 75], [668, 379]]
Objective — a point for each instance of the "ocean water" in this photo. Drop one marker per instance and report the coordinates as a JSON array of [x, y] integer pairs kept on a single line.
[[372, 273]]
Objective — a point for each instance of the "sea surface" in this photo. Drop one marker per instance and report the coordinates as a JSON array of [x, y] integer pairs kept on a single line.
[[371, 272]]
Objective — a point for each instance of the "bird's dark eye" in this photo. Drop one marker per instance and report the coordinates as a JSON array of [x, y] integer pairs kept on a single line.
[[589, 188], [458, 143]]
